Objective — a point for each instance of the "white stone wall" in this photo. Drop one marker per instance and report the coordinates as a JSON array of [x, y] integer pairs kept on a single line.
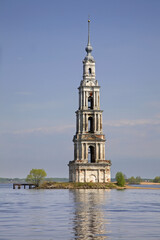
[[92, 173]]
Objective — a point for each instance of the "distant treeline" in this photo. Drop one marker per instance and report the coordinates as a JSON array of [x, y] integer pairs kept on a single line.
[[131, 180], [156, 179], [22, 180], [134, 180], [138, 180]]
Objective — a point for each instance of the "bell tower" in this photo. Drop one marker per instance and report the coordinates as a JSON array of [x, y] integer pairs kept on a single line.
[[89, 164]]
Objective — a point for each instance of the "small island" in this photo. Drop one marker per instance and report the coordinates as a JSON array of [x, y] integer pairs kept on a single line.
[[78, 185], [36, 179], [93, 185]]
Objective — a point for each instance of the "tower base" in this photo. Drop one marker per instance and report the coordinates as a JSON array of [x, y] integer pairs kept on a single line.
[[90, 172]]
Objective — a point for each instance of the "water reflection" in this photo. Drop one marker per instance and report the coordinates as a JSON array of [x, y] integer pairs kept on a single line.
[[89, 221]]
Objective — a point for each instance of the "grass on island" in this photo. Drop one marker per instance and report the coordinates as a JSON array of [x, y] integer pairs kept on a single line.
[[77, 185], [87, 185]]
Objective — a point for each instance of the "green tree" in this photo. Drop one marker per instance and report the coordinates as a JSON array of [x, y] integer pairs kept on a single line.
[[120, 179], [133, 180], [156, 179], [138, 179], [36, 176]]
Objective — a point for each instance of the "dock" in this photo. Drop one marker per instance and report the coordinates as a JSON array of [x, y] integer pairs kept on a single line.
[[19, 185]]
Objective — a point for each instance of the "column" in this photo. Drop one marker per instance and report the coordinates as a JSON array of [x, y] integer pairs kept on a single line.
[[94, 98], [86, 99], [103, 151], [85, 175], [76, 123], [81, 98], [98, 123], [84, 147], [98, 175], [95, 152], [94, 122], [83, 116], [82, 151], [100, 151], [86, 122], [77, 151], [79, 122], [85, 151], [76, 175], [98, 100]]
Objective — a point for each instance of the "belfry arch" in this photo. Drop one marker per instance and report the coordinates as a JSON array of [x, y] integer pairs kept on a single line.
[[90, 102], [91, 154], [90, 125]]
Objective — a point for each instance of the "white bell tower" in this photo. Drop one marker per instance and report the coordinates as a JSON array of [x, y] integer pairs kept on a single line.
[[89, 164]]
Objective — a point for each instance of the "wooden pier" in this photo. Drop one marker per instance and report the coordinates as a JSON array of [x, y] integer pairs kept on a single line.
[[19, 185]]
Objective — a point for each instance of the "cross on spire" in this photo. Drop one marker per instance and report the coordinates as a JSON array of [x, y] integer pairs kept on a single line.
[[88, 31]]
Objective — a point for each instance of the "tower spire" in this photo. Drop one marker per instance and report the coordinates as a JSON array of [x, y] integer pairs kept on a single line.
[[88, 31], [89, 47]]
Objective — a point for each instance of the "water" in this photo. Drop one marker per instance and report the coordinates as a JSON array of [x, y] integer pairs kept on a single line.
[[145, 185], [79, 214]]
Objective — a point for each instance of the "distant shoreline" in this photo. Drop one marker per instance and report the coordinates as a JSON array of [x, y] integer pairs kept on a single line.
[[61, 184], [149, 183], [132, 187], [143, 183]]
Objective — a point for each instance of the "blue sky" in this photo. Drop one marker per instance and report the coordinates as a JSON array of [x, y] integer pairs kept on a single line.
[[42, 46]]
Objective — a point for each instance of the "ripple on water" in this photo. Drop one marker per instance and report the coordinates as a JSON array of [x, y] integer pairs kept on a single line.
[[79, 214]]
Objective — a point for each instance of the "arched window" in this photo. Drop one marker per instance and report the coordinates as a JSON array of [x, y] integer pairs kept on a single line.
[[90, 102], [91, 154], [89, 70], [90, 124]]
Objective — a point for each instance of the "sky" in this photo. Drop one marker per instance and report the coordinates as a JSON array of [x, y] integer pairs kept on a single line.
[[42, 46]]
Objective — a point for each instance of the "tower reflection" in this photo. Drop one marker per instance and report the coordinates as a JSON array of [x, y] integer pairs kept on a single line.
[[89, 221]]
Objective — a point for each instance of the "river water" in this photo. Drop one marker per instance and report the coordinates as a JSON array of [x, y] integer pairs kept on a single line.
[[79, 214]]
